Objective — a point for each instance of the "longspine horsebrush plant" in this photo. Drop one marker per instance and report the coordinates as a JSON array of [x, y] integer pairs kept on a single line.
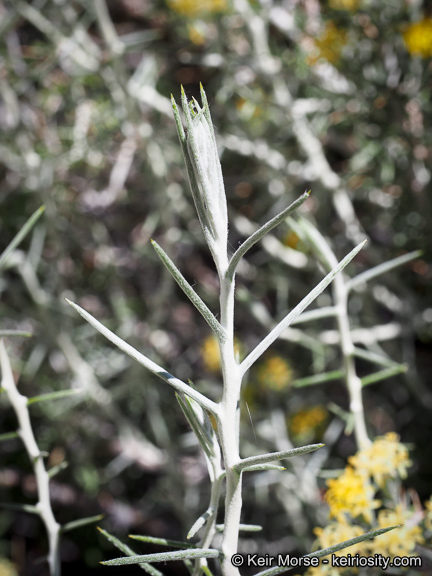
[[198, 144], [21, 404]]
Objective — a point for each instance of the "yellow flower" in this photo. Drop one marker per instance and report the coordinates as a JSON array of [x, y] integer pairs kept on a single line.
[[428, 516], [329, 44], [291, 240], [7, 568], [194, 8], [335, 533], [308, 419], [418, 38], [196, 35], [351, 493], [385, 458], [211, 354], [275, 374], [400, 541], [350, 5]]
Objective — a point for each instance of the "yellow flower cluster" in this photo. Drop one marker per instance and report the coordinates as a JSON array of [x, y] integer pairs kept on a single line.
[[275, 374], [384, 459], [351, 497], [335, 533], [351, 493], [418, 38], [401, 541], [192, 8], [350, 5], [428, 516], [308, 419], [329, 44]]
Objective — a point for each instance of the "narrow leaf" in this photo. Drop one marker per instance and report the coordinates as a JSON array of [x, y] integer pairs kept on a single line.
[[129, 552], [178, 122], [21, 235], [146, 362], [373, 357], [260, 467], [164, 557], [330, 550], [199, 430], [8, 436], [81, 522], [190, 292], [383, 374], [56, 469], [53, 396], [271, 457], [295, 313], [382, 269], [256, 236], [319, 378], [242, 528], [310, 316], [11, 333], [199, 523], [351, 542], [20, 507], [162, 541]]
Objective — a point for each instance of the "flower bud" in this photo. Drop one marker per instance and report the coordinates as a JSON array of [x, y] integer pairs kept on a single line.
[[203, 155], [205, 174]]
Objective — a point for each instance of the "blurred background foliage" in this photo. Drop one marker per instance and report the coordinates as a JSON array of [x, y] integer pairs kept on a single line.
[[330, 96]]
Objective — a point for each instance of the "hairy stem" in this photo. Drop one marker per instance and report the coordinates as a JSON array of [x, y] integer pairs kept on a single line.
[[228, 422]]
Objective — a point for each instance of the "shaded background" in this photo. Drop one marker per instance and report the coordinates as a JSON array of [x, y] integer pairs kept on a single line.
[[328, 96]]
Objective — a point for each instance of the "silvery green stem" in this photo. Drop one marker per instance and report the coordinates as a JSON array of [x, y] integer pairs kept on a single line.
[[353, 382], [340, 295], [228, 424], [19, 404], [210, 527]]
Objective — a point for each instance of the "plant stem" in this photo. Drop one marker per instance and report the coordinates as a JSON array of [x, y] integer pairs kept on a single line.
[[19, 404], [210, 527], [353, 382], [228, 424]]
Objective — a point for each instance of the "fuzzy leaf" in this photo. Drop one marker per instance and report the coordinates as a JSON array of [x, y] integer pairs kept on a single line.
[[318, 378], [242, 528], [20, 507], [56, 469], [129, 552], [260, 467], [383, 374], [200, 432], [161, 541], [331, 550], [146, 362], [21, 235], [261, 232], [271, 457], [295, 313], [190, 292], [165, 557], [8, 436], [199, 523], [53, 396], [11, 333], [382, 269], [81, 522]]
